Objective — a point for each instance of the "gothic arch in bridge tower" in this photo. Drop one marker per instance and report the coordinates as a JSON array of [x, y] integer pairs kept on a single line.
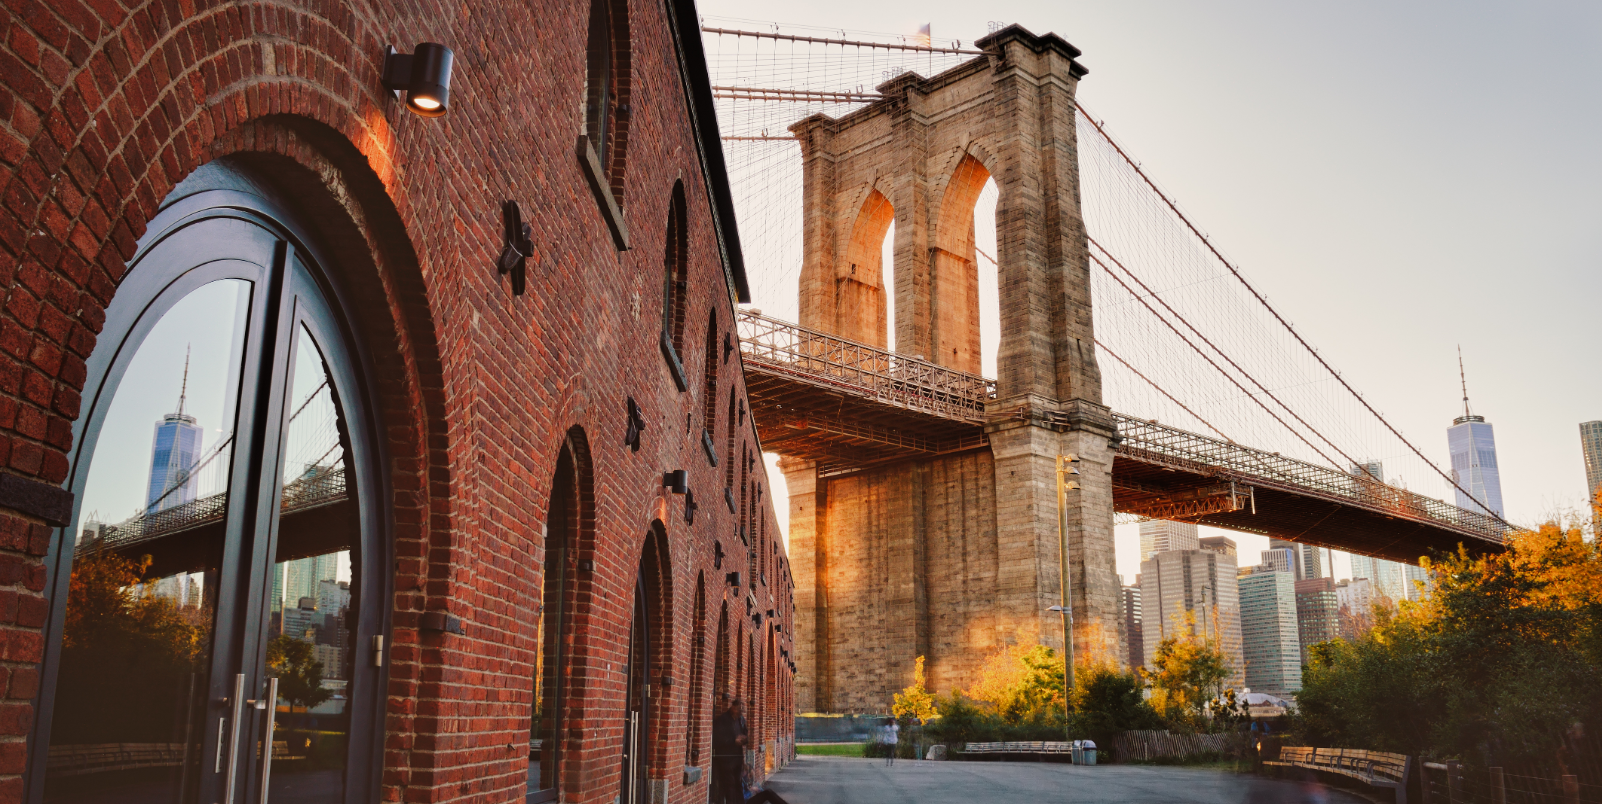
[[955, 298], [860, 296], [924, 531]]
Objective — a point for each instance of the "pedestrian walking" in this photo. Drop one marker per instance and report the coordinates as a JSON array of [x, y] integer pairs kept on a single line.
[[729, 753]]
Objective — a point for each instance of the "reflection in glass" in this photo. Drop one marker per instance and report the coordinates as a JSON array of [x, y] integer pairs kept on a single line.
[[136, 648], [311, 614], [547, 712]]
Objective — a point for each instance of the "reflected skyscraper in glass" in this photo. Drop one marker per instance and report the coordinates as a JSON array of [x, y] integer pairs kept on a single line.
[[174, 450]]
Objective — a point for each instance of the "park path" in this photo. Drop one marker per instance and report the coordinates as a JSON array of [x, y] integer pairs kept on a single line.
[[841, 780]]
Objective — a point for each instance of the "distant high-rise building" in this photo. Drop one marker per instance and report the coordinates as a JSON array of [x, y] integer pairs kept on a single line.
[[1218, 544], [1159, 535], [1475, 460], [1201, 583], [1307, 560], [1317, 612], [1411, 574], [175, 448], [1130, 598], [1270, 644], [1387, 576], [1355, 599], [1280, 558], [1593, 461], [302, 576]]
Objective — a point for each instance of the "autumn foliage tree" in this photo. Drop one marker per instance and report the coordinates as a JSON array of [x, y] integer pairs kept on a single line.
[[1499, 664]]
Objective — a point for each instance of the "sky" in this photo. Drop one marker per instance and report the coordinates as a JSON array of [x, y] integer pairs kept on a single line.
[[1400, 179]]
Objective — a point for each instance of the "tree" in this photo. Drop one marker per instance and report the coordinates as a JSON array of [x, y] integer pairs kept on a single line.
[[914, 700], [1497, 665], [158, 649], [1187, 672], [1107, 701], [300, 676]]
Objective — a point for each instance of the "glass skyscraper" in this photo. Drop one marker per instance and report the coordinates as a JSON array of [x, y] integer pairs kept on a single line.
[[1592, 436], [1475, 458], [174, 450], [1270, 643]]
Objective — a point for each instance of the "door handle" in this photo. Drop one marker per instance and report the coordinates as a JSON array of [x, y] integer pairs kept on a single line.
[[267, 741], [233, 738]]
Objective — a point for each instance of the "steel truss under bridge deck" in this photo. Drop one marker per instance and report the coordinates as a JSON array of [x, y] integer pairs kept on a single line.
[[846, 404], [849, 406]]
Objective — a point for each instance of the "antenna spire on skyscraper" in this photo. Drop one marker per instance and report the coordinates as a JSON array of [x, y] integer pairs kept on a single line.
[[1462, 388], [183, 387]]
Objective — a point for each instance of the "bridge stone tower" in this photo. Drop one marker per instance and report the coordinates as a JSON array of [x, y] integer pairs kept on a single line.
[[956, 555]]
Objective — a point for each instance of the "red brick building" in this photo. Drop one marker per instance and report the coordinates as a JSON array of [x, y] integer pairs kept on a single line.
[[305, 442]]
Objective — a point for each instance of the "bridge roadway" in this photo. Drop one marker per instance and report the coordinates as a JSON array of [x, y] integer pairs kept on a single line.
[[850, 407]]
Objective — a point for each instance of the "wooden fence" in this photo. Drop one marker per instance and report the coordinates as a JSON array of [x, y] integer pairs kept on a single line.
[[1146, 746]]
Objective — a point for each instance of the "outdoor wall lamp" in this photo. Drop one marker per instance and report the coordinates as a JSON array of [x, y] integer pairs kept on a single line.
[[424, 74], [677, 481]]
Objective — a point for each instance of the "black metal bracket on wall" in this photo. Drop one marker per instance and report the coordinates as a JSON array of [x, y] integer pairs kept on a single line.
[[441, 622]]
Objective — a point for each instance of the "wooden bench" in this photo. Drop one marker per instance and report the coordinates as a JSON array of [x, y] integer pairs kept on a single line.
[[1375, 768]]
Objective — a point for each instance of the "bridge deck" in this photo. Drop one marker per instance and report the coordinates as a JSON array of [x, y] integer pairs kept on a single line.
[[849, 406]]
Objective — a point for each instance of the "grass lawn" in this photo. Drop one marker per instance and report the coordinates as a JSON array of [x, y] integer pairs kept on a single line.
[[830, 749]]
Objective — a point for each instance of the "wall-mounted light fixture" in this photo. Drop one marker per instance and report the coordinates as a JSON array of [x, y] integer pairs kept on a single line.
[[677, 481], [424, 74]]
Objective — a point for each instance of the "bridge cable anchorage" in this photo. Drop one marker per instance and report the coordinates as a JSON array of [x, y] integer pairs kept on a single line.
[[1202, 354], [1207, 244], [1204, 338], [843, 42]]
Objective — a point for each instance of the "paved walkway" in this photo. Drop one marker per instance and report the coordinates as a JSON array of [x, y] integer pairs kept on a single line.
[[839, 780]]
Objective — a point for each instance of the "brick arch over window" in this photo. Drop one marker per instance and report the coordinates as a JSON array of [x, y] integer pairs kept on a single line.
[[674, 272], [696, 692], [86, 228], [955, 295], [604, 146], [657, 582], [710, 389], [569, 534]]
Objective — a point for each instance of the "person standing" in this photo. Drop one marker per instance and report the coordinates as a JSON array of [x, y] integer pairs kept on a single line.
[[729, 753], [888, 741]]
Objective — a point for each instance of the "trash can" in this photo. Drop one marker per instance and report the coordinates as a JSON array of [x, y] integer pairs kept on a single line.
[[1088, 752]]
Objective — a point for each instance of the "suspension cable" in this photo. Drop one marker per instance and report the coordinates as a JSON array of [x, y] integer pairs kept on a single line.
[[1284, 323]]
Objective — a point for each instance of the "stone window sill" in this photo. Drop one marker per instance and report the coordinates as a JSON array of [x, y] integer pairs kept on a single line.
[[672, 358], [707, 446], [601, 188]]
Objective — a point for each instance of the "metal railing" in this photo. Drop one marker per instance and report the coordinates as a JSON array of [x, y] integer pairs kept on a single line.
[[302, 493], [862, 370], [1151, 442]]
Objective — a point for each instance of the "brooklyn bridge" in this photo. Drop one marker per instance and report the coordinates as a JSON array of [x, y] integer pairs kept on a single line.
[[925, 506]]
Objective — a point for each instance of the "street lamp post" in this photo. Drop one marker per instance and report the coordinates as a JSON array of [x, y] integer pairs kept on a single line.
[[1065, 469]]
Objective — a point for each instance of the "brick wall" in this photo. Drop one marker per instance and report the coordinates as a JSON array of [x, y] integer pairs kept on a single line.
[[106, 107]]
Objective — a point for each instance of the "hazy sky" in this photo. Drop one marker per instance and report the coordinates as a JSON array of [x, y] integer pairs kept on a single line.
[[1399, 178]]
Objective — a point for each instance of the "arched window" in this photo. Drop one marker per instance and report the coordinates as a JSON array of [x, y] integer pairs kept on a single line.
[[648, 655], [228, 531], [565, 516], [693, 704], [607, 84], [729, 452], [710, 389], [674, 270]]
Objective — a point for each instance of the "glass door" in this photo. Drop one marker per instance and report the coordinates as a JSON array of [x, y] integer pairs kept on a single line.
[[638, 698], [215, 645]]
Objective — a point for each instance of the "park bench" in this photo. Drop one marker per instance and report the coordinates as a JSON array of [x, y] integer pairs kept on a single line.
[[1375, 768], [78, 759], [1035, 748]]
